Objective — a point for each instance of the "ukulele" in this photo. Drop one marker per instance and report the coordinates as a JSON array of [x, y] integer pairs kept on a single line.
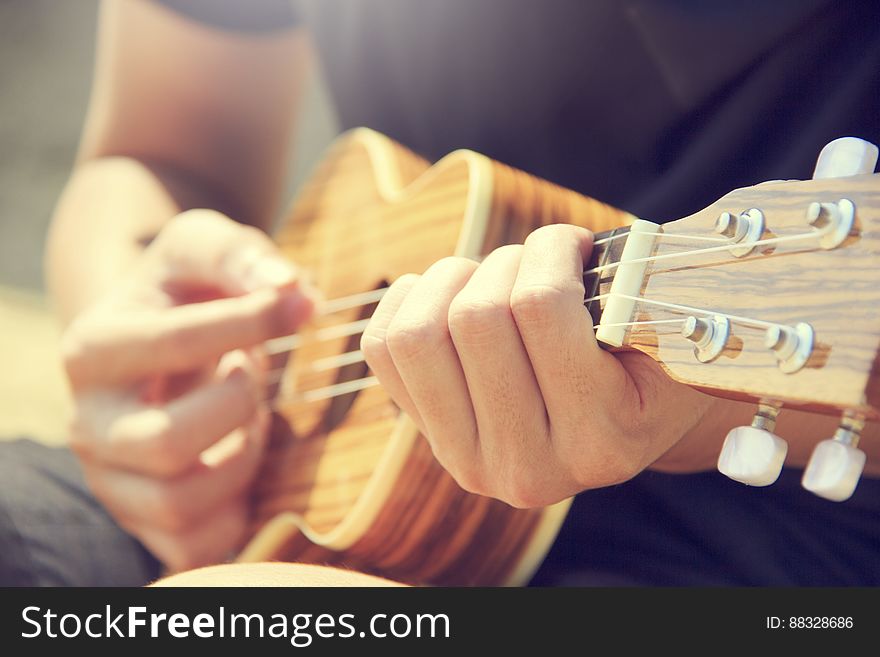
[[751, 298]]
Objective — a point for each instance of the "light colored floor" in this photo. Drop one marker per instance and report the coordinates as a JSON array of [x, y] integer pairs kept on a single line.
[[34, 398], [46, 51], [45, 69]]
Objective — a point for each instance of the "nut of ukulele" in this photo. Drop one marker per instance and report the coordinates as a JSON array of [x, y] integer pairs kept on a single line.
[[754, 455], [836, 465]]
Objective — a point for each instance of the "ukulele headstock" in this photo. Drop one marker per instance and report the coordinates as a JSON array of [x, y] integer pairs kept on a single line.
[[769, 294]]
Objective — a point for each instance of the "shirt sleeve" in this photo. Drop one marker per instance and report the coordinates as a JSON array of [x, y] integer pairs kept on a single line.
[[250, 16]]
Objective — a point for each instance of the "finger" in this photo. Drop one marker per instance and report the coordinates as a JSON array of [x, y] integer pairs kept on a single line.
[[214, 540], [510, 413], [126, 347], [230, 256], [425, 358], [175, 505], [166, 440], [547, 300], [375, 348]]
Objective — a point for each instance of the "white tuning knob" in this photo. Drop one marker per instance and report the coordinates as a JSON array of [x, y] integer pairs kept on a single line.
[[836, 465], [752, 456], [847, 156]]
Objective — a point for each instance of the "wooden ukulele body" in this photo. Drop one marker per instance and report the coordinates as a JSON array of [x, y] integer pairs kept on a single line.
[[348, 480]]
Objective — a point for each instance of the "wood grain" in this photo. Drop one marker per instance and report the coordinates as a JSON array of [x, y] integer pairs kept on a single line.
[[349, 481], [364, 489], [836, 291]]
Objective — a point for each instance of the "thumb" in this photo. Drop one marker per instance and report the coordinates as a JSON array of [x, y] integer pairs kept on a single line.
[[205, 249]]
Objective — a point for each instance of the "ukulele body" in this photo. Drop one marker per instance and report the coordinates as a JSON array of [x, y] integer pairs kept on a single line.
[[348, 480]]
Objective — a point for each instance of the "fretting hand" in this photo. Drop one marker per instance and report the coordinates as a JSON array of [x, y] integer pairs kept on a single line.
[[498, 365]]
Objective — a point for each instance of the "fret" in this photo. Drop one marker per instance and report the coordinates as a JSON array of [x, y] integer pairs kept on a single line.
[[602, 254]]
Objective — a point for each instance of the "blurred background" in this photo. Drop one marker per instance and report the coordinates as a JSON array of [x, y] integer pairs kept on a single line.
[[46, 55]]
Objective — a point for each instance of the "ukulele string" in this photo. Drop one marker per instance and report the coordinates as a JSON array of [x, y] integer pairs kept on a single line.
[[357, 356], [326, 392], [351, 357], [321, 364], [813, 234], [360, 299], [739, 319], [701, 238], [289, 344], [348, 387], [351, 301]]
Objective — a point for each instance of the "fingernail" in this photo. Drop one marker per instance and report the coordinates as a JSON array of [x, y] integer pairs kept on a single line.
[[295, 307]]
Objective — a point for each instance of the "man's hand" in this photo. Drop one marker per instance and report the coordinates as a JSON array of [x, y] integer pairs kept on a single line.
[[168, 382], [498, 365]]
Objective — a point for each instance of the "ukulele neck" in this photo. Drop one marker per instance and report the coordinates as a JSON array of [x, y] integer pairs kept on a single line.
[[607, 250]]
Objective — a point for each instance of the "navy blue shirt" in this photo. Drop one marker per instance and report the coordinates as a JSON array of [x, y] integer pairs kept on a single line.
[[655, 106], [658, 107]]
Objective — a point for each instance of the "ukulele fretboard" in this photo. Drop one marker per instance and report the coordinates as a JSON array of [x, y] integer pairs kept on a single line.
[[607, 250]]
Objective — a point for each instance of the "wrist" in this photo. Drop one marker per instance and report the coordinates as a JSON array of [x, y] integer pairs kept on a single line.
[[102, 222], [699, 446]]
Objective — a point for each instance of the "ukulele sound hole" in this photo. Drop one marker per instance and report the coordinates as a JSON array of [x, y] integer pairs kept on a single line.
[[339, 406]]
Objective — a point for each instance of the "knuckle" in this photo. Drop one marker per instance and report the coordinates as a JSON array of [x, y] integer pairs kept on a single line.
[[523, 492], [373, 342], [507, 250], [451, 265], [195, 219], [412, 338], [609, 468], [405, 280], [552, 231], [373, 346], [476, 318], [251, 236], [539, 304], [250, 233], [544, 231], [470, 477], [466, 471]]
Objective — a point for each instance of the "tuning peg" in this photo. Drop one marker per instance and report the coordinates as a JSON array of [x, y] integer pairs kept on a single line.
[[847, 156], [709, 335], [792, 346], [742, 230], [754, 455], [834, 220], [836, 465]]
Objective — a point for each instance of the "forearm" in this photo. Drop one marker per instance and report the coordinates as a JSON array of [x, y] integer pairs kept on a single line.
[[110, 210], [203, 121]]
